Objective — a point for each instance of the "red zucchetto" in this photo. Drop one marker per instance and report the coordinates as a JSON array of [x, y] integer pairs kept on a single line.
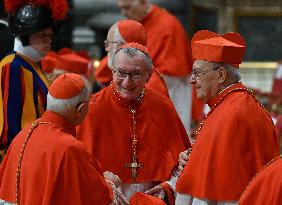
[[72, 63], [66, 86], [138, 46], [49, 61], [132, 31]]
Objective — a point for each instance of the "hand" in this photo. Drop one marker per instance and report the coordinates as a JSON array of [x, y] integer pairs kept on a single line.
[[156, 191], [113, 178], [183, 157], [121, 199]]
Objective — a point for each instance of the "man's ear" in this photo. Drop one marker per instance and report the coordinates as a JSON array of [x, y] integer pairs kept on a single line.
[[222, 74]]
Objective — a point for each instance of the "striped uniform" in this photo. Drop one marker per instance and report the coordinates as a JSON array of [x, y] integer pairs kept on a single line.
[[23, 89]]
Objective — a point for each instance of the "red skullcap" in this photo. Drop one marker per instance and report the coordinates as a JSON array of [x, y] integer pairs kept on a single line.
[[228, 48], [138, 46], [65, 50], [132, 32], [66, 86], [83, 54], [72, 63], [48, 63], [144, 199]]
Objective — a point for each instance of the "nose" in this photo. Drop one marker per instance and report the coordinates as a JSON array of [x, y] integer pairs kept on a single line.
[[127, 80], [193, 79], [48, 39]]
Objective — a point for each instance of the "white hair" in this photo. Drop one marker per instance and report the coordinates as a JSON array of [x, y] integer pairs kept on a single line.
[[117, 38], [132, 52], [63, 106], [232, 72]]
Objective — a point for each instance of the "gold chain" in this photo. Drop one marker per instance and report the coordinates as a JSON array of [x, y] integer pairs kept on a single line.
[[33, 126], [138, 101], [134, 142]]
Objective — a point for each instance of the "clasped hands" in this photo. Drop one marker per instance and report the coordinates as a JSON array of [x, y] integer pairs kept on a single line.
[[115, 181], [158, 191]]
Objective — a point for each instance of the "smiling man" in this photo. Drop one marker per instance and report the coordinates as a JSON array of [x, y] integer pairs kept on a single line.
[[134, 131], [126, 31], [23, 85], [169, 46]]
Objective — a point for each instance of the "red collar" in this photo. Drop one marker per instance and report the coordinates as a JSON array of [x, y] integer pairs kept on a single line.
[[50, 116], [215, 100]]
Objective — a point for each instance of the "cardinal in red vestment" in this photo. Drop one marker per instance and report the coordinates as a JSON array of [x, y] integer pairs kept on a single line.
[[134, 131], [46, 164]]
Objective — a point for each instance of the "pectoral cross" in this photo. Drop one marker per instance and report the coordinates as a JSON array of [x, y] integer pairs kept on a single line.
[[134, 165]]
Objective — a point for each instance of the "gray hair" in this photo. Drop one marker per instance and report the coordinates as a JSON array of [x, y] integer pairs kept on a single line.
[[117, 35], [132, 52], [232, 72], [64, 106]]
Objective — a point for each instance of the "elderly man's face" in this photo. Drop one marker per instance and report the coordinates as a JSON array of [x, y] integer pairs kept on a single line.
[[112, 44], [205, 79], [132, 9], [41, 41], [130, 75]]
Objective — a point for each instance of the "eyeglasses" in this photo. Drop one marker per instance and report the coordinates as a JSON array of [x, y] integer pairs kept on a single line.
[[121, 75], [198, 74], [107, 43]]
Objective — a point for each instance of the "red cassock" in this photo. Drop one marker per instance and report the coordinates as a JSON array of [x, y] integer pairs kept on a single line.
[[266, 187], [104, 75], [157, 83], [56, 168], [168, 43], [108, 128], [236, 140]]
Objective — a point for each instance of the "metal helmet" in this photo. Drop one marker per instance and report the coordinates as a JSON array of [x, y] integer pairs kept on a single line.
[[30, 19]]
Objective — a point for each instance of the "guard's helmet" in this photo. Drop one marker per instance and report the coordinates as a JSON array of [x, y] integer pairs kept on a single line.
[[30, 19], [27, 17]]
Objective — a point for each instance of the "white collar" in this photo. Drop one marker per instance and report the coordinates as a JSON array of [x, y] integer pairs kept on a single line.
[[27, 51]]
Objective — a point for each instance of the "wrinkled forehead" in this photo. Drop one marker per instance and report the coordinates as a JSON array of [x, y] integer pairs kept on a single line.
[[121, 55], [123, 59]]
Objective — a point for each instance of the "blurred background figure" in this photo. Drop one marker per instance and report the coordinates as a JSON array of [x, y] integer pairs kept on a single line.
[[67, 61]]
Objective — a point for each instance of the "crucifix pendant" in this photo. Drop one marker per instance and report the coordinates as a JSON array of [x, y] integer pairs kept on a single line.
[[134, 165]]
